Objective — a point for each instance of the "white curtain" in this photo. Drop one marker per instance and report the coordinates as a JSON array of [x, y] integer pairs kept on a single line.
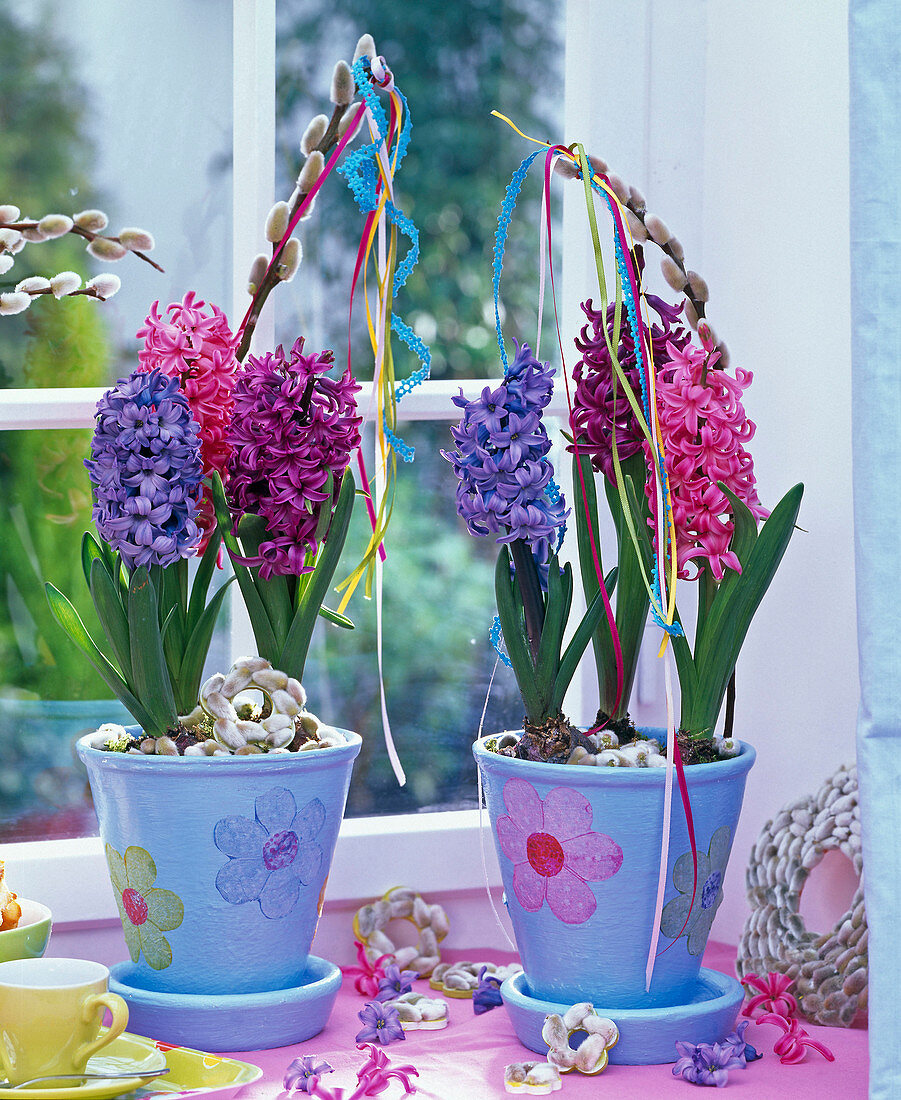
[[875, 131]]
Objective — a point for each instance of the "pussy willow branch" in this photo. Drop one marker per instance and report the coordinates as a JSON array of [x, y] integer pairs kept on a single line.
[[327, 143]]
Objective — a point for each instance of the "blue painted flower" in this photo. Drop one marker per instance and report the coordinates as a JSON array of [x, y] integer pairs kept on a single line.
[[505, 485], [146, 469], [709, 895], [272, 855]]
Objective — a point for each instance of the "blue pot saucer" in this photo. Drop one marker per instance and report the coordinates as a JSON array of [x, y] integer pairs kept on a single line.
[[647, 1035], [228, 1022]]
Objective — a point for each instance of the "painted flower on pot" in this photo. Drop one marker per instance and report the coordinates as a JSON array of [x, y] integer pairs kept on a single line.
[[271, 855], [554, 851], [709, 895], [146, 910]]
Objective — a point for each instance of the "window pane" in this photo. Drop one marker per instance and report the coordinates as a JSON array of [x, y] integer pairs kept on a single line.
[[105, 105], [455, 63]]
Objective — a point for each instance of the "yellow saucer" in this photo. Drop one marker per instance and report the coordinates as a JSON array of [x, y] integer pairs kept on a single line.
[[128, 1053]]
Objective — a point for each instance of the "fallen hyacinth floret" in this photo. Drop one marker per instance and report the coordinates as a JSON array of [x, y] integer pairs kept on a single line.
[[740, 1046], [793, 1045], [773, 995], [381, 1024], [487, 994], [368, 975], [706, 1063], [304, 1073], [395, 982], [372, 1079]]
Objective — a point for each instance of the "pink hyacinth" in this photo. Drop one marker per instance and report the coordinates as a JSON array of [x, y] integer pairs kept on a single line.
[[704, 428], [198, 348]]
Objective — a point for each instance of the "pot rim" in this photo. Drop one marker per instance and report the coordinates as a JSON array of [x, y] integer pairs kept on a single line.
[[727, 768], [197, 765]]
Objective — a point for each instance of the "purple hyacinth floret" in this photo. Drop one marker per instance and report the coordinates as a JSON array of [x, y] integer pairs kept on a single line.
[[706, 1063], [146, 469], [381, 1024], [505, 478], [487, 994], [395, 983], [303, 1074]]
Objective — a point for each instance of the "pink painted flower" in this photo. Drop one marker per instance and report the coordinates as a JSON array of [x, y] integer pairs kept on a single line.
[[198, 348], [704, 429], [554, 851]]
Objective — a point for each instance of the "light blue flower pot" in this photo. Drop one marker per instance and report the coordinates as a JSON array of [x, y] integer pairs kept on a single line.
[[579, 850], [219, 864]]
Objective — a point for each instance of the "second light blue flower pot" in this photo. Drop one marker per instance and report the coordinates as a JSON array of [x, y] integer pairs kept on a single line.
[[579, 850], [219, 864]]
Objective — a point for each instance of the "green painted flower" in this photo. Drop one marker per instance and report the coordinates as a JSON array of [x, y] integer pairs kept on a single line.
[[711, 869], [146, 911]]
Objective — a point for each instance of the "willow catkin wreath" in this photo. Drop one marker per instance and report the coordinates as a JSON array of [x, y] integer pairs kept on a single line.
[[402, 903], [829, 971]]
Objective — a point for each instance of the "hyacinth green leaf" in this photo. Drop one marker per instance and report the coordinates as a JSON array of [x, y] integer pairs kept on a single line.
[[191, 669], [509, 611], [274, 593], [202, 579], [569, 662], [69, 619], [170, 591], [151, 676], [556, 616], [293, 655], [586, 513], [734, 606], [259, 617], [90, 552], [744, 535], [111, 613]]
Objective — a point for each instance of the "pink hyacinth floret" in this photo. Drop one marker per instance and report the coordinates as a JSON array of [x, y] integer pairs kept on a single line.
[[198, 348], [292, 433], [704, 428], [773, 995]]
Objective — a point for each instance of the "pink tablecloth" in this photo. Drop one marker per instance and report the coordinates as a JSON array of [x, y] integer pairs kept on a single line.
[[466, 1060]]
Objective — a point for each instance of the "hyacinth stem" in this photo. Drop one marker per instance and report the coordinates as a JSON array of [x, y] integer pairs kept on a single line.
[[530, 590]]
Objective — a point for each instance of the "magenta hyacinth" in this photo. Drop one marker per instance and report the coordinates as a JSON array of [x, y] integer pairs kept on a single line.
[[292, 433], [704, 428], [594, 413], [198, 348]]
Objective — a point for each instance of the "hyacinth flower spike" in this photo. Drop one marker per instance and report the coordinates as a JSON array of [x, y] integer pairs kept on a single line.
[[290, 495], [506, 490], [146, 469]]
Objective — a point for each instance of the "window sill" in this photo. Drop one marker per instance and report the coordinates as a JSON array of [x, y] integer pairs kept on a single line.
[[433, 852]]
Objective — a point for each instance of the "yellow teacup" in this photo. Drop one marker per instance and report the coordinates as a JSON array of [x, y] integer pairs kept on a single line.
[[51, 1012]]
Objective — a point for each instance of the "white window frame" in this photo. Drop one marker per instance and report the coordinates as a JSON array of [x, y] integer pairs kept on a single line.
[[71, 875]]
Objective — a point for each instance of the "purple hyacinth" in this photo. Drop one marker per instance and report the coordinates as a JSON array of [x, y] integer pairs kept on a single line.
[[381, 1024], [395, 983], [596, 409], [292, 433], [487, 994], [146, 469], [303, 1074], [706, 1063], [505, 479]]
